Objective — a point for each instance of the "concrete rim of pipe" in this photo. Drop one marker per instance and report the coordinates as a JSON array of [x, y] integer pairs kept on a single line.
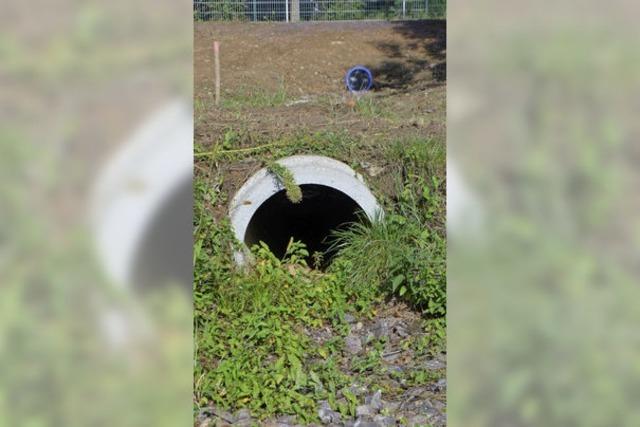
[[141, 202], [332, 179]]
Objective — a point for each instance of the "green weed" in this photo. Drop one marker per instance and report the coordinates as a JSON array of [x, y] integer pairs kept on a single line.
[[253, 342], [372, 108], [252, 336], [404, 253], [254, 97], [285, 177], [372, 361], [399, 255]]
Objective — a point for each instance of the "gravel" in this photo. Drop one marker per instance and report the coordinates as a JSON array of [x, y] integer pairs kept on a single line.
[[401, 403], [353, 344]]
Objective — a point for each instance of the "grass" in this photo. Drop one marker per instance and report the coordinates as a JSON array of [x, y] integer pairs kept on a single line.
[[404, 253], [336, 144], [372, 108], [252, 97], [253, 326], [260, 358]]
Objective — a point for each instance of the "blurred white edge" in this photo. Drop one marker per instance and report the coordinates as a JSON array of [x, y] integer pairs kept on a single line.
[[465, 214], [135, 183]]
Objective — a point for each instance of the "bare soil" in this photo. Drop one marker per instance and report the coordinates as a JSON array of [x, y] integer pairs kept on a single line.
[[282, 79], [312, 58]]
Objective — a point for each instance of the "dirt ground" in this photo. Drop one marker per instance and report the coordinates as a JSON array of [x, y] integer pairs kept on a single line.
[[283, 79], [312, 58], [283, 88]]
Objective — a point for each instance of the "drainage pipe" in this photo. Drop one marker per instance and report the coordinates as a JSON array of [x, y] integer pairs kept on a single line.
[[334, 195], [141, 204]]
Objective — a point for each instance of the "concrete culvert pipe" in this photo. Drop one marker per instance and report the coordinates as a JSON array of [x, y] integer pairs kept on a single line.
[[142, 204], [333, 196]]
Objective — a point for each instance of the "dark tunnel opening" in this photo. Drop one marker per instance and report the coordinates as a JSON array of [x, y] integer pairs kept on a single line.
[[164, 255], [322, 210]]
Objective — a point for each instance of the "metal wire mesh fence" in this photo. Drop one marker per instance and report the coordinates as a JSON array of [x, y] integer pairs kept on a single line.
[[317, 10]]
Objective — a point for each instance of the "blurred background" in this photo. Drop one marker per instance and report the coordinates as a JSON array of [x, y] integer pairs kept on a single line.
[[543, 277], [543, 266], [95, 199]]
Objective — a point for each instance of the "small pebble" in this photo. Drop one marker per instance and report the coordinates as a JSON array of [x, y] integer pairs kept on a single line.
[[353, 344], [363, 411]]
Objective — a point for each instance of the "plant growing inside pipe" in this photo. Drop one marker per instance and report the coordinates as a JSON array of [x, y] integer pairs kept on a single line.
[[286, 179]]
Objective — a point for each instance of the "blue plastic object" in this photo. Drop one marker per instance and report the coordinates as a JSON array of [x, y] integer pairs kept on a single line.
[[358, 79]]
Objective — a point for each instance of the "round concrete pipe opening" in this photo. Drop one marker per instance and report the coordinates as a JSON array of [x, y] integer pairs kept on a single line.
[[333, 196], [141, 204]]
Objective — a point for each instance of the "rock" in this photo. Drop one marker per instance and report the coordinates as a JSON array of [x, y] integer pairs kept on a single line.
[[358, 390], [391, 406], [349, 318], [243, 418], [286, 420], [438, 405], [303, 100], [370, 337], [361, 422], [381, 420], [327, 415], [320, 336], [434, 364], [353, 344], [364, 411], [401, 330], [381, 329], [243, 414], [395, 369], [209, 416], [277, 424], [374, 170], [439, 421], [203, 418], [418, 421], [439, 386], [375, 401], [391, 356], [427, 407], [225, 416]]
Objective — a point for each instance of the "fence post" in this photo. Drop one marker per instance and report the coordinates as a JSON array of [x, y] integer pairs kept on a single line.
[[216, 66], [255, 13], [404, 8], [426, 8], [286, 10], [295, 10]]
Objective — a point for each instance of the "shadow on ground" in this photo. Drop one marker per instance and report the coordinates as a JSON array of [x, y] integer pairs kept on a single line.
[[421, 58]]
